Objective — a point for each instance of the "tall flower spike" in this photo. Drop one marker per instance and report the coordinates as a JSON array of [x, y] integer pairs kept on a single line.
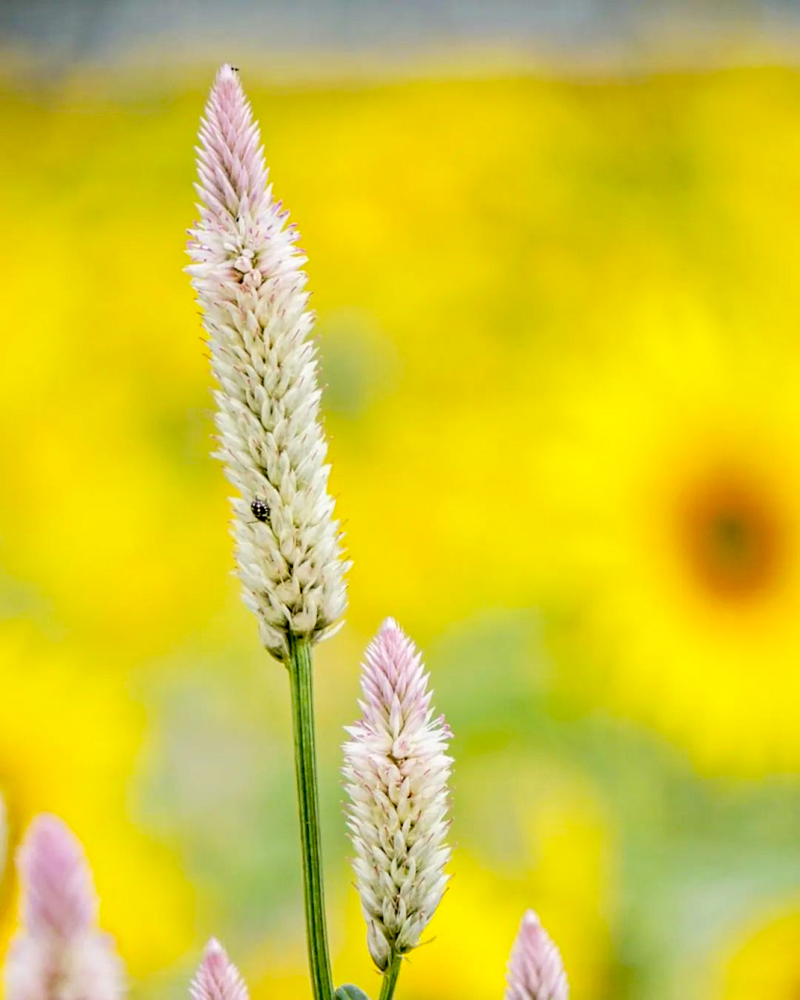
[[396, 772], [59, 953], [535, 968], [250, 285], [217, 978]]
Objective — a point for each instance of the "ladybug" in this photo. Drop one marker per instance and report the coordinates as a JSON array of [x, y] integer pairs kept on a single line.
[[260, 509]]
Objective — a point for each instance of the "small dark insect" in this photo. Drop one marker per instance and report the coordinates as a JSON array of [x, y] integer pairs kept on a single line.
[[260, 509]]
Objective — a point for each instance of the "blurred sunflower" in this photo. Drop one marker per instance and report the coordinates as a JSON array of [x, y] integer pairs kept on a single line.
[[671, 481]]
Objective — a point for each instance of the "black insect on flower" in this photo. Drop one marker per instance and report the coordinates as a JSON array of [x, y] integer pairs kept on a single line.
[[260, 509]]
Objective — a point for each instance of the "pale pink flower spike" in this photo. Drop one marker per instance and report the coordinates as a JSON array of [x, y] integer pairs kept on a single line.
[[251, 287], [59, 953], [535, 968], [396, 770], [217, 978]]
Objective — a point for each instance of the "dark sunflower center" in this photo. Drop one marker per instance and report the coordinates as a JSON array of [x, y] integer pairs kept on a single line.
[[734, 537]]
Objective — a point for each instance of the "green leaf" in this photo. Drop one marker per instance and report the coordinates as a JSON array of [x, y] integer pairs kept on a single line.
[[350, 992]]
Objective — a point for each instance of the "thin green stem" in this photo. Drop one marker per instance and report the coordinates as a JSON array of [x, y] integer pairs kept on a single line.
[[305, 761], [390, 978]]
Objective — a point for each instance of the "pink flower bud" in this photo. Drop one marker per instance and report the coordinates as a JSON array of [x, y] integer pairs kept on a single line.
[[217, 978], [59, 953], [535, 968]]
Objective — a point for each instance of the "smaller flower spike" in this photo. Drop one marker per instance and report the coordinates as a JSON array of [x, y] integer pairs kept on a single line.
[[535, 968], [396, 772], [59, 952], [217, 978]]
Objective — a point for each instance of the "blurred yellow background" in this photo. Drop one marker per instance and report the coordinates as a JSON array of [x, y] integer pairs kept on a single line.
[[558, 323]]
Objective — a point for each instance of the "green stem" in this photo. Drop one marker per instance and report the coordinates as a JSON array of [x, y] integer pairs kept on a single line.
[[305, 763], [390, 978]]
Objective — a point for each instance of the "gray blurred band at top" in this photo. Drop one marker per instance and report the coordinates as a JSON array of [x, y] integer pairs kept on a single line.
[[71, 31]]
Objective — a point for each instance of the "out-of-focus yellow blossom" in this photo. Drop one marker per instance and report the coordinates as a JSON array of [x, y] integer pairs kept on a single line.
[[672, 473], [572, 879], [766, 961], [69, 741]]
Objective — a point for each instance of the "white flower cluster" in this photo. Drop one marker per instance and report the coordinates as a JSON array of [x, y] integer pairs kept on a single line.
[[248, 277], [396, 772]]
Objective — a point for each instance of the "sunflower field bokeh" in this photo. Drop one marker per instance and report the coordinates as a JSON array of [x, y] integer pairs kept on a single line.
[[558, 324]]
